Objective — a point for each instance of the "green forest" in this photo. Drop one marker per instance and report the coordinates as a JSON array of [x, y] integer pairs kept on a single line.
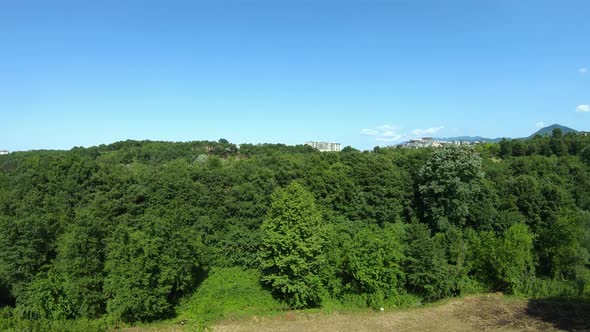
[[142, 231]]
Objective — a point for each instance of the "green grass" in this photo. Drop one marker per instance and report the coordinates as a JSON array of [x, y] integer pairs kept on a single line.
[[228, 293], [10, 322], [359, 302]]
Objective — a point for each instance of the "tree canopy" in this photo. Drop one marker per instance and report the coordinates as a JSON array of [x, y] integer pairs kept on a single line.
[[124, 232]]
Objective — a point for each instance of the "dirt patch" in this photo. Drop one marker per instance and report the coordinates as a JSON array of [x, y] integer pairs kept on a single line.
[[496, 312], [473, 313]]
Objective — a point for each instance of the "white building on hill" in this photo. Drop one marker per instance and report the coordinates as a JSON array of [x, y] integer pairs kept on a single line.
[[424, 142], [429, 142], [324, 146], [4, 152]]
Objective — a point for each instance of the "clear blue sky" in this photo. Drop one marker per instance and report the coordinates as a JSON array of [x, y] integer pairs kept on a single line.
[[363, 73]]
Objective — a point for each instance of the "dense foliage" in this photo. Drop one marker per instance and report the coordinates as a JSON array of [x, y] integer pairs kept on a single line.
[[291, 255], [125, 232]]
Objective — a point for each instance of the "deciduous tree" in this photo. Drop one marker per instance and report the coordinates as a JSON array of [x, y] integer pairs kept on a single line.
[[291, 256]]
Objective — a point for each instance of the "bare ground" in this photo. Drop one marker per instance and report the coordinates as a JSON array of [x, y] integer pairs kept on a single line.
[[473, 313]]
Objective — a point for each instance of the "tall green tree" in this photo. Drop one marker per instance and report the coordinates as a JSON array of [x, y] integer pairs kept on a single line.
[[505, 148], [528, 199], [291, 256], [558, 146], [25, 247], [448, 184], [80, 264]]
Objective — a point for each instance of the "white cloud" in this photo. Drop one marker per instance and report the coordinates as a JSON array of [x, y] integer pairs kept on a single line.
[[583, 108], [540, 124], [583, 70], [370, 132], [389, 139], [426, 132], [384, 133], [391, 134]]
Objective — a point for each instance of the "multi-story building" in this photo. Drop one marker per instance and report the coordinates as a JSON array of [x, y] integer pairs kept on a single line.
[[324, 146], [4, 152], [422, 143]]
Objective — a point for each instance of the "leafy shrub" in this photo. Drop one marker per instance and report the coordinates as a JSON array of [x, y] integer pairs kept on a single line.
[[372, 264], [561, 251], [44, 298], [11, 321], [427, 271], [502, 263], [549, 288], [148, 268], [513, 259]]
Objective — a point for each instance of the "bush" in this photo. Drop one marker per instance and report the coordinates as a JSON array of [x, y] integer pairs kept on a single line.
[[11, 321], [428, 273], [372, 264], [545, 287], [44, 298], [513, 259], [583, 280], [149, 268]]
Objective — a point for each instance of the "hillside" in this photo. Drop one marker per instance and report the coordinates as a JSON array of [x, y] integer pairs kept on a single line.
[[141, 231], [549, 129]]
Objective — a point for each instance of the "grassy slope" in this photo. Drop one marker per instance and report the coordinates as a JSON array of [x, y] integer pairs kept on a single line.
[[471, 313]]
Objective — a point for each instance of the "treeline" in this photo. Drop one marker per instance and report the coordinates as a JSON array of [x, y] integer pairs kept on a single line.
[[124, 232]]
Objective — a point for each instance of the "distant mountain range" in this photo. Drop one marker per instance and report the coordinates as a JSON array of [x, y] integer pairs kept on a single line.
[[470, 139], [543, 132]]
